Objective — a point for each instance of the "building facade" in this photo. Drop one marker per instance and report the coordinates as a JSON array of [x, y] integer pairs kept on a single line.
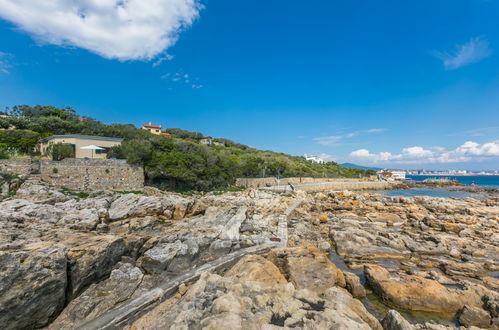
[[154, 129], [79, 141]]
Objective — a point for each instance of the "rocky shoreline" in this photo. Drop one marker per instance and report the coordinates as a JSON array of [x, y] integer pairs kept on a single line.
[[67, 258]]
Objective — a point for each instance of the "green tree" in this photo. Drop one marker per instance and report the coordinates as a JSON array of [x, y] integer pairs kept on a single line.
[[59, 151], [22, 140], [137, 152]]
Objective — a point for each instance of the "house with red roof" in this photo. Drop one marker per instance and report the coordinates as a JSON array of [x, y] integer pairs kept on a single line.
[[154, 129]]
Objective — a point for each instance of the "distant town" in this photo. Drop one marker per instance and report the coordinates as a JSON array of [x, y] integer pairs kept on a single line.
[[450, 172]]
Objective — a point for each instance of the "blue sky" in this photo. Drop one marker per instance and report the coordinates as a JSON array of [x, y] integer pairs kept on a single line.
[[384, 83]]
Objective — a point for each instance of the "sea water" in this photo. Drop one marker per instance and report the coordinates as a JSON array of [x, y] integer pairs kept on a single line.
[[486, 182]]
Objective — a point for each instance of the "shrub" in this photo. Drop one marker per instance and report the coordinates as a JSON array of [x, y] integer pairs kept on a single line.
[[59, 151]]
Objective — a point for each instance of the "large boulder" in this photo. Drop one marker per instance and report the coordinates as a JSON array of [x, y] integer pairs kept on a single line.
[[307, 267], [413, 292], [32, 286]]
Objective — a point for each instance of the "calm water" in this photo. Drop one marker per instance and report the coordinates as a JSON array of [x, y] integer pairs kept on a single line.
[[481, 181], [490, 180], [432, 192]]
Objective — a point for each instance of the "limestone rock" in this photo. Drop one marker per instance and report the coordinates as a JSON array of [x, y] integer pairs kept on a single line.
[[307, 267], [353, 285], [394, 321], [416, 293], [92, 260], [32, 286], [157, 259], [474, 316], [100, 297], [134, 205]]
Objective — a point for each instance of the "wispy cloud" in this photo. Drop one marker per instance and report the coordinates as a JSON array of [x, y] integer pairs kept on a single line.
[[467, 152], [334, 140], [473, 51], [5, 62], [124, 30], [182, 78]]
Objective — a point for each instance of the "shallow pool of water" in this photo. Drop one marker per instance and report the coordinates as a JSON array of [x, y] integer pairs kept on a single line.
[[379, 308]]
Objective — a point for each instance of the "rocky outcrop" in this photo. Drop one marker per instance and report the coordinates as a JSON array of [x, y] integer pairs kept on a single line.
[[394, 321], [254, 294], [32, 285], [92, 260], [100, 297], [307, 267], [419, 294], [473, 316]]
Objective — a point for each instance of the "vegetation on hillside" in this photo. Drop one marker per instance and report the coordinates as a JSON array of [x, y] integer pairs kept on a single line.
[[177, 161]]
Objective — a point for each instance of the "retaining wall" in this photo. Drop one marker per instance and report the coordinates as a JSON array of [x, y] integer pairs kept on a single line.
[[265, 182], [92, 174], [18, 166], [325, 186], [80, 174]]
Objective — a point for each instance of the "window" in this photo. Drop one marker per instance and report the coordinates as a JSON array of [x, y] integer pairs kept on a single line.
[[101, 151]]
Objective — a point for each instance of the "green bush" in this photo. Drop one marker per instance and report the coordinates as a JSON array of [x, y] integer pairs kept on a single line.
[[59, 151], [22, 140]]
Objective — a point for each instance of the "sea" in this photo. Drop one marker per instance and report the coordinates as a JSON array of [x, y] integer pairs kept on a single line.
[[487, 182]]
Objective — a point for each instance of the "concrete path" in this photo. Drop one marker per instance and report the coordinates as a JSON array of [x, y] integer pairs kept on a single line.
[[132, 310]]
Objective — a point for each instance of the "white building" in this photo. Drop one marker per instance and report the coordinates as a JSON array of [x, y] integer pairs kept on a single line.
[[392, 175], [314, 159]]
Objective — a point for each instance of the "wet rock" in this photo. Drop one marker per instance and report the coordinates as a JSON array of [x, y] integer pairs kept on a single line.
[[32, 286], [474, 316], [100, 297], [353, 285]]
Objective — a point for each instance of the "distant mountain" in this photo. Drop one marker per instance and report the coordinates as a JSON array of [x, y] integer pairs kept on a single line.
[[350, 165]]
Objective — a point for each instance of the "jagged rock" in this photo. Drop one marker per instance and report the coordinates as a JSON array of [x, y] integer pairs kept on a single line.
[[394, 321], [91, 259], [32, 286], [100, 297], [474, 316], [157, 259], [253, 295]]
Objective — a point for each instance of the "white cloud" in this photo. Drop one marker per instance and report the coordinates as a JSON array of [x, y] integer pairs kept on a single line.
[[335, 139], [468, 151], [5, 62], [471, 52], [121, 29]]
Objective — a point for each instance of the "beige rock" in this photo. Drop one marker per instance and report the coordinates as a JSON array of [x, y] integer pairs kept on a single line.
[[307, 267]]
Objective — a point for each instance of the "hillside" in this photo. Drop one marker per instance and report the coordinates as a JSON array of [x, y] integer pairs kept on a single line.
[[174, 162]]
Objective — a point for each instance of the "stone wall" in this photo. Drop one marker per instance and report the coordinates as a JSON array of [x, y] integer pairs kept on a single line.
[[337, 185], [18, 166], [92, 174], [267, 182], [80, 174]]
